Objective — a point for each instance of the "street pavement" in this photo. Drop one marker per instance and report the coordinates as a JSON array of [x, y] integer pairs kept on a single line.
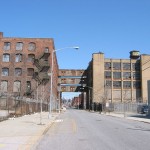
[[23, 132]]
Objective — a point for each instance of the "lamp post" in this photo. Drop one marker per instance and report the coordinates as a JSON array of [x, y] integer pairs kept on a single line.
[[51, 74]]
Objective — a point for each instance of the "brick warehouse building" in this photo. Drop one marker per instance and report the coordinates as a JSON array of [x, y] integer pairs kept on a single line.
[[25, 64], [117, 80]]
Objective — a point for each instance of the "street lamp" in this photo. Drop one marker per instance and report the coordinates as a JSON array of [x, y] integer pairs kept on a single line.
[[51, 74]]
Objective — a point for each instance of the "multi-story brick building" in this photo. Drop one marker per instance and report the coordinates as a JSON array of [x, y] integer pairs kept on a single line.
[[118, 80], [24, 67]]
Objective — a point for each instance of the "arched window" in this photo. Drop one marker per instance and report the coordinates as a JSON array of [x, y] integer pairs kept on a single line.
[[31, 57], [17, 86], [18, 71], [19, 46], [6, 57], [4, 86], [5, 71], [30, 71], [31, 46], [46, 49], [6, 46], [18, 58]]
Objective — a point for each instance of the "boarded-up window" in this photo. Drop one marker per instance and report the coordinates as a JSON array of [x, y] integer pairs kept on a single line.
[[4, 86], [30, 71], [17, 86]]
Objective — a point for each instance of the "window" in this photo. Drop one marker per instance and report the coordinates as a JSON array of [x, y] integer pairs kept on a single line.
[[4, 86], [116, 66], [116, 75], [72, 88], [46, 49], [17, 86], [127, 75], [6, 46], [18, 58], [28, 88], [31, 57], [30, 71], [126, 66], [31, 46], [126, 84], [107, 74], [108, 83], [18, 71], [117, 84], [107, 65], [19, 46], [5, 71], [6, 57]]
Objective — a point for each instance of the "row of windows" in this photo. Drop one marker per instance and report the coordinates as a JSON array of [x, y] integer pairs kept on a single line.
[[18, 57], [19, 46], [126, 84], [16, 86], [18, 71], [125, 75], [124, 66]]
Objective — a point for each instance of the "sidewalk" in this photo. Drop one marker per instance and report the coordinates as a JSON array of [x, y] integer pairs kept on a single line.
[[22, 132], [136, 117]]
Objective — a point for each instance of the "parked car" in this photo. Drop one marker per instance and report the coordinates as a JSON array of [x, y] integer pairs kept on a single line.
[[142, 109]]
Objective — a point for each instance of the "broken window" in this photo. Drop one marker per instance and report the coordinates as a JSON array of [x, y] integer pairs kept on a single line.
[[18, 58], [126, 75], [18, 71], [5, 71], [116, 75], [107, 65], [126, 84], [117, 84], [6, 46], [126, 66], [108, 83], [107, 74], [31, 46], [116, 66], [19, 46], [6, 57], [31, 57]]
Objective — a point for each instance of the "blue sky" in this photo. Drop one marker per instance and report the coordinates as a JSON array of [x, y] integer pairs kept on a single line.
[[114, 27]]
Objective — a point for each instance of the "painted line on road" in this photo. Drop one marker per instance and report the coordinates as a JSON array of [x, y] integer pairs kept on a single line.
[[74, 126]]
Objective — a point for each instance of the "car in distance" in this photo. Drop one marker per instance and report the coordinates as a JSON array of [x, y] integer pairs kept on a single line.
[[142, 109]]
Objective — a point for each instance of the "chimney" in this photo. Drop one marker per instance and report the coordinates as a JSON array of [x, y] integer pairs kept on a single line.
[[1, 35]]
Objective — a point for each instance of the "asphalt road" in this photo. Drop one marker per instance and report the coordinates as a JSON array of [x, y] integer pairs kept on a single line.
[[82, 130]]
